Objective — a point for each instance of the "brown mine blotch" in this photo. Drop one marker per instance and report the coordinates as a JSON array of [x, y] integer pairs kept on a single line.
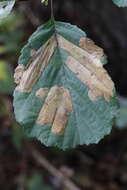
[[33, 52], [85, 61], [19, 73], [42, 93], [36, 65], [89, 46], [56, 109]]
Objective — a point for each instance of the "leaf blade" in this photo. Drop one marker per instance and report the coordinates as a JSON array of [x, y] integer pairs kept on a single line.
[[88, 121]]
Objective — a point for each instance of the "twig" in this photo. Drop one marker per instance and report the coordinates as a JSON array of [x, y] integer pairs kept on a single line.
[[29, 14], [51, 169], [52, 11]]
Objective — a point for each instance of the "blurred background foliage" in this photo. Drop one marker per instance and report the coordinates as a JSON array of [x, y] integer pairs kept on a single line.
[[94, 167]]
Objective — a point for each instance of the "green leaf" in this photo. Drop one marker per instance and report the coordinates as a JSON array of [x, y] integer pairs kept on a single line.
[[120, 3], [45, 2], [10, 34], [6, 80], [64, 97], [6, 7]]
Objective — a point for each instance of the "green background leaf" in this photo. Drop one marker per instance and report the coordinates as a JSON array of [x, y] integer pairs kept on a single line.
[[90, 120], [6, 7], [6, 79], [120, 3]]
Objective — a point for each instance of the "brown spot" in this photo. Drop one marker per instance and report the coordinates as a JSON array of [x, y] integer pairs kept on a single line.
[[36, 66], [18, 73], [89, 46], [42, 93], [78, 53], [98, 87], [47, 113], [86, 64], [56, 109], [33, 52], [63, 111]]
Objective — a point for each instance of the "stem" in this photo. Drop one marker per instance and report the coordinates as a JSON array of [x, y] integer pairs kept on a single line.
[[52, 12], [67, 183]]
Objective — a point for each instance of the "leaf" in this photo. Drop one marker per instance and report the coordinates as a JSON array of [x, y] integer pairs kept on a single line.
[[64, 97], [120, 3], [45, 2], [6, 7], [11, 34], [6, 80]]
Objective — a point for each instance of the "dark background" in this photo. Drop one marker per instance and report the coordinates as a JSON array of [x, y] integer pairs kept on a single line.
[[94, 167]]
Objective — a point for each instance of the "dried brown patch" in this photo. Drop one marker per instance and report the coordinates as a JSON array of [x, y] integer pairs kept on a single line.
[[84, 57], [42, 93], [33, 52], [89, 46], [36, 66], [18, 73], [86, 64], [99, 87], [56, 109]]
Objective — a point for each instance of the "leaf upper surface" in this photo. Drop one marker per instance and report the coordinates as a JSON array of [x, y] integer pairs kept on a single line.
[[64, 97]]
